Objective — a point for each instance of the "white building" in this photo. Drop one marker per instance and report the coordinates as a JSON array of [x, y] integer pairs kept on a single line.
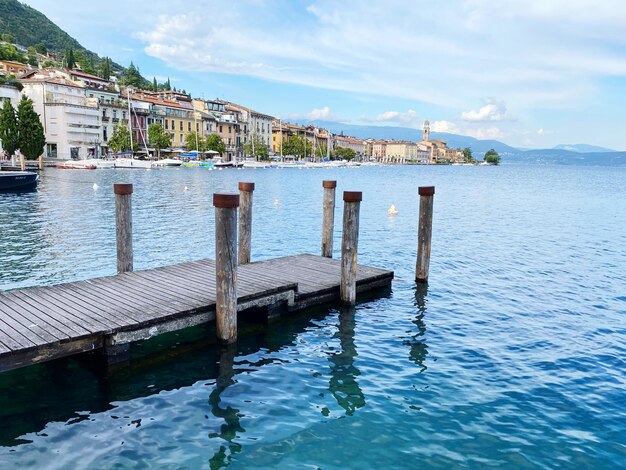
[[252, 124], [71, 122]]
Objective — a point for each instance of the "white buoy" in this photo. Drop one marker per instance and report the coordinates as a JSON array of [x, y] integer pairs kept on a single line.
[[185, 188], [392, 210], [95, 187], [276, 202]]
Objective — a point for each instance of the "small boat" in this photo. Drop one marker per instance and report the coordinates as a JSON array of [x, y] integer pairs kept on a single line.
[[18, 180], [78, 165]]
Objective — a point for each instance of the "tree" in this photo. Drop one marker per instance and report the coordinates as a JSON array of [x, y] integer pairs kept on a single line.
[[297, 146], [194, 142], [257, 147], [158, 138], [70, 61], [155, 86], [32, 56], [120, 140], [41, 48], [344, 153], [32, 139], [214, 142], [321, 151], [133, 78], [9, 133], [492, 157], [6, 38], [105, 69], [467, 155], [167, 86]]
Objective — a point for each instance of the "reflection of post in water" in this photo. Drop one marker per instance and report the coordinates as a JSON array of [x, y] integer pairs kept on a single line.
[[343, 373], [419, 349], [230, 428]]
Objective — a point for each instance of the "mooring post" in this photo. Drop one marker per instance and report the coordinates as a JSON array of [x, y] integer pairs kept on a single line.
[[124, 226], [41, 162], [226, 266], [245, 221], [328, 218], [349, 246], [22, 162], [424, 233]]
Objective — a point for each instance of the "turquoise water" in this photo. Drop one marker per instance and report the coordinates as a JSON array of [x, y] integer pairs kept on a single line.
[[511, 357]]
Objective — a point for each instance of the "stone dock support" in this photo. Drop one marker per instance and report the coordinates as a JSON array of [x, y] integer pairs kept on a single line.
[[328, 220], [245, 222], [124, 226], [226, 266], [349, 246], [424, 233]]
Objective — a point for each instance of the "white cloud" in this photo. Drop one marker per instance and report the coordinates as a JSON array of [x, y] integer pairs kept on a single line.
[[483, 133], [408, 118], [493, 110], [317, 114]]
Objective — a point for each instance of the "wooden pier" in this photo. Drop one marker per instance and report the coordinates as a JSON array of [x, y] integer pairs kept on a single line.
[[43, 323]]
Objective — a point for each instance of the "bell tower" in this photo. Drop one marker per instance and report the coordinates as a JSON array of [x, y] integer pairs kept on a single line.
[[426, 131]]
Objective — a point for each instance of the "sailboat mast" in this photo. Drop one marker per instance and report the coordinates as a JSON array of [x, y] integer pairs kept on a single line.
[[130, 119]]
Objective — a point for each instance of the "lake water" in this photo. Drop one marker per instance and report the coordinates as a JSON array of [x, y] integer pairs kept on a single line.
[[513, 356]]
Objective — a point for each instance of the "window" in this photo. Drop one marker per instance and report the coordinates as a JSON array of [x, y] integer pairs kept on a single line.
[[123, 114], [220, 129], [180, 125], [189, 127], [173, 126], [181, 138], [104, 113], [197, 127], [115, 114], [166, 126], [104, 135]]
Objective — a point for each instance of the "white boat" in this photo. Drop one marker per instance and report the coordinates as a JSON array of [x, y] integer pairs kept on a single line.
[[132, 163], [77, 165], [255, 164], [168, 162]]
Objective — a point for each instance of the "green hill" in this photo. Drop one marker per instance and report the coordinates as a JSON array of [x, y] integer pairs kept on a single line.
[[31, 28]]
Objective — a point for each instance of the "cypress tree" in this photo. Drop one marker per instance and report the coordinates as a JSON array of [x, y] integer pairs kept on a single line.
[[105, 69], [69, 59], [155, 87], [9, 133], [168, 87], [31, 136]]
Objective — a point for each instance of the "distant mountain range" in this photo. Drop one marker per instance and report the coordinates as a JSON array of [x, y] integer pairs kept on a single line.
[[562, 154]]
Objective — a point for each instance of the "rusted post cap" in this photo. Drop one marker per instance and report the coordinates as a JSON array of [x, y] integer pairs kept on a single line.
[[329, 184], [426, 190], [352, 196], [246, 186], [123, 189], [226, 200]]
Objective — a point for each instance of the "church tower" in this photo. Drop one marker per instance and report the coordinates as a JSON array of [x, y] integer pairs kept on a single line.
[[426, 131]]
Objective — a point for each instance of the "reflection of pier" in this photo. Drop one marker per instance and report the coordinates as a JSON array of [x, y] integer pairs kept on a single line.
[[419, 349], [343, 384], [40, 324]]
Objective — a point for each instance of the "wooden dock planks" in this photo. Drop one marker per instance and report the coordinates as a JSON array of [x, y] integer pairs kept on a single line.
[[42, 323]]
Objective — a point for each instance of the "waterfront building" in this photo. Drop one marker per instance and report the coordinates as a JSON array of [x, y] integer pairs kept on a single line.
[[358, 145], [251, 124], [71, 122], [401, 152], [10, 67], [379, 150]]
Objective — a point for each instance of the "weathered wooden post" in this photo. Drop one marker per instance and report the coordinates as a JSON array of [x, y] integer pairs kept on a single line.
[[22, 162], [328, 218], [41, 162], [226, 266], [349, 246], [424, 233], [124, 226], [245, 221]]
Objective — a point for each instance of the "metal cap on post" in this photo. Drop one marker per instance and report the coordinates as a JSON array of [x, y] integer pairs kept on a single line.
[[328, 217], [424, 233], [226, 266], [124, 226], [245, 222], [349, 246]]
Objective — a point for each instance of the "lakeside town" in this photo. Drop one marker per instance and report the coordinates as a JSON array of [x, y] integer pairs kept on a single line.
[[86, 116]]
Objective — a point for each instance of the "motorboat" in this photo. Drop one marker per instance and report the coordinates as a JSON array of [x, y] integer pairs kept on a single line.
[[168, 162], [18, 180], [132, 163]]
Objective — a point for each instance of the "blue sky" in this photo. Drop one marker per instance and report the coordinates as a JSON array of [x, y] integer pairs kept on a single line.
[[531, 73]]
